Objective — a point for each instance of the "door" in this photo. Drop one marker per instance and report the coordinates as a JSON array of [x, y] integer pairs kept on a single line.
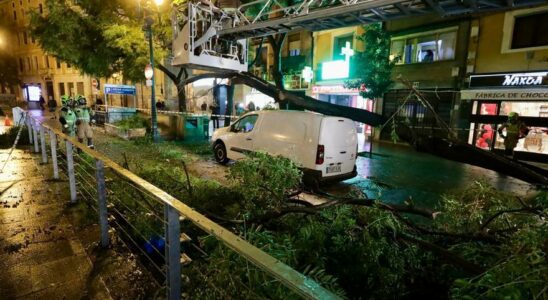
[[239, 141]]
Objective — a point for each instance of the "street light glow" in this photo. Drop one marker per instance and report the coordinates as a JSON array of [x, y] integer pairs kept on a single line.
[[159, 2]]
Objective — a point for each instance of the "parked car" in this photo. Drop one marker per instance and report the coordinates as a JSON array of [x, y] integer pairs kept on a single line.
[[324, 147]]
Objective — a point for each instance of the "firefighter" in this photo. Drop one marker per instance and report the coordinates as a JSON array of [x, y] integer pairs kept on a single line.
[[67, 116], [84, 116], [515, 130]]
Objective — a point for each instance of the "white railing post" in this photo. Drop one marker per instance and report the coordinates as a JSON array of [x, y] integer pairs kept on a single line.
[[71, 174], [29, 128], [53, 144], [43, 144], [173, 252], [102, 201], [35, 136]]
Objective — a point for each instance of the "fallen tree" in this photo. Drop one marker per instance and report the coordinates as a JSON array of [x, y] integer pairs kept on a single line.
[[447, 147]]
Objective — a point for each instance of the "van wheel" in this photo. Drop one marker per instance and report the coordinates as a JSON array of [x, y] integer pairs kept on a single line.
[[219, 151], [311, 183]]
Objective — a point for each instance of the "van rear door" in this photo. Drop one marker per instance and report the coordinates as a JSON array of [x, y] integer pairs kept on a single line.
[[339, 139]]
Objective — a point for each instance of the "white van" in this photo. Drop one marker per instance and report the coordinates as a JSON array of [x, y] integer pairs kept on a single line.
[[324, 147]]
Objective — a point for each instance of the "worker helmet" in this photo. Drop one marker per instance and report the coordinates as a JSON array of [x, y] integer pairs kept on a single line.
[[65, 100], [81, 100], [513, 116]]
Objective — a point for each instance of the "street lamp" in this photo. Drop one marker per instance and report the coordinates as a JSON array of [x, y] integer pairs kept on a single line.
[[149, 74]]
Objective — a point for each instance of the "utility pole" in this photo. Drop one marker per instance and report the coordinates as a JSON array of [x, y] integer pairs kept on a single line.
[[153, 113]]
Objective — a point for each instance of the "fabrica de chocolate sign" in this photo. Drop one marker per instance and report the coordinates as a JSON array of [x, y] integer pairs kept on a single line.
[[505, 94], [528, 79]]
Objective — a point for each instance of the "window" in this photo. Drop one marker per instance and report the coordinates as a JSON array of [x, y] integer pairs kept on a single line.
[[18, 39], [40, 8], [29, 66], [21, 65], [36, 62], [530, 31], [46, 61], [25, 37], [68, 65], [61, 89], [80, 88], [424, 47], [14, 15], [71, 88], [58, 62], [294, 44], [246, 124], [340, 42], [32, 38]]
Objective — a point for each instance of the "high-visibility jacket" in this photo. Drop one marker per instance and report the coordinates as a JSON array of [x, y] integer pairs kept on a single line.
[[68, 116], [514, 132], [84, 113]]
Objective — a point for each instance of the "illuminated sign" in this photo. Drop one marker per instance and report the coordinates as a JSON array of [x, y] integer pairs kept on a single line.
[[505, 94], [536, 79], [338, 69], [307, 74], [332, 89]]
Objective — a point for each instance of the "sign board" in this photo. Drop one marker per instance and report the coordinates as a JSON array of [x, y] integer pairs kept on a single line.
[[505, 94], [333, 89], [113, 89], [338, 69], [504, 80]]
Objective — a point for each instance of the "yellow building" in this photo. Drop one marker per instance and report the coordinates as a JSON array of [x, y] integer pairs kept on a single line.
[[40, 73]]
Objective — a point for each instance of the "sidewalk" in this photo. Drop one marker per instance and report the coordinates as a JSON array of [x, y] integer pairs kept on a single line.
[[40, 254]]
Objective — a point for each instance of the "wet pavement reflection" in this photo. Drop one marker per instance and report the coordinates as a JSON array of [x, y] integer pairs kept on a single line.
[[397, 172]]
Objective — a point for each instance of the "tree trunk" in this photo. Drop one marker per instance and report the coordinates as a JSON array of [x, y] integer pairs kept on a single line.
[[277, 42], [176, 78]]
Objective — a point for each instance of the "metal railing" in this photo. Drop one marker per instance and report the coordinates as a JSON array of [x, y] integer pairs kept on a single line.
[[144, 217]]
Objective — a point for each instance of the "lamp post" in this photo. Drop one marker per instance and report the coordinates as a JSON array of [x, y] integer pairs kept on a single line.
[[149, 74]]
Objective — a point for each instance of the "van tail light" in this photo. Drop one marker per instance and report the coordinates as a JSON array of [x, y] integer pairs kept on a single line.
[[320, 154]]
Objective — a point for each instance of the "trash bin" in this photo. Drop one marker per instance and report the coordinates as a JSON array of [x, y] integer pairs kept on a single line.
[[196, 128]]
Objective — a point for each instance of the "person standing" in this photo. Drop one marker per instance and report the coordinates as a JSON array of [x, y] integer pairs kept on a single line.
[[42, 102], [204, 106], [515, 130], [52, 105], [83, 122], [215, 111], [67, 117]]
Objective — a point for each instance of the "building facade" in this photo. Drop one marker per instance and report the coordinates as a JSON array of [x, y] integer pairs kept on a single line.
[[508, 72]]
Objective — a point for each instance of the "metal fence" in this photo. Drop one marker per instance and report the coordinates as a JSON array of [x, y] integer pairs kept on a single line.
[[147, 219]]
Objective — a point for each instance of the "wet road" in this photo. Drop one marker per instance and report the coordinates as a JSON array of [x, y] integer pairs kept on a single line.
[[399, 172]]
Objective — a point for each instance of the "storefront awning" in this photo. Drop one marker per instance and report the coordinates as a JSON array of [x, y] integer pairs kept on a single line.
[[505, 94]]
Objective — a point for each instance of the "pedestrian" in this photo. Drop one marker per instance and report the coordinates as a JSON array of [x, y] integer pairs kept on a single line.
[[204, 106], [251, 106], [215, 110], [84, 116], [52, 105], [515, 130], [42, 102]]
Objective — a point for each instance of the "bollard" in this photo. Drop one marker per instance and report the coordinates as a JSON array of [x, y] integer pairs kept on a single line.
[[35, 136], [102, 201], [43, 145], [29, 128], [53, 142], [173, 253], [71, 175]]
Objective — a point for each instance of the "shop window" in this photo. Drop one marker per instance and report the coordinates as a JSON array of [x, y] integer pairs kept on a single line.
[[525, 109], [424, 47], [340, 42], [530, 31]]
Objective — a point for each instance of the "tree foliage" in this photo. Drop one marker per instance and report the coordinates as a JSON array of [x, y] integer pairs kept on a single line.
[[98, 37], [373, 67]]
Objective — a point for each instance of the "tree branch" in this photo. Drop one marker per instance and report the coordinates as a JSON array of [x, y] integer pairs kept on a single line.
[[168, 73]]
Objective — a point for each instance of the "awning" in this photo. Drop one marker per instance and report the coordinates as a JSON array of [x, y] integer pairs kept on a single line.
[[505, 94]]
